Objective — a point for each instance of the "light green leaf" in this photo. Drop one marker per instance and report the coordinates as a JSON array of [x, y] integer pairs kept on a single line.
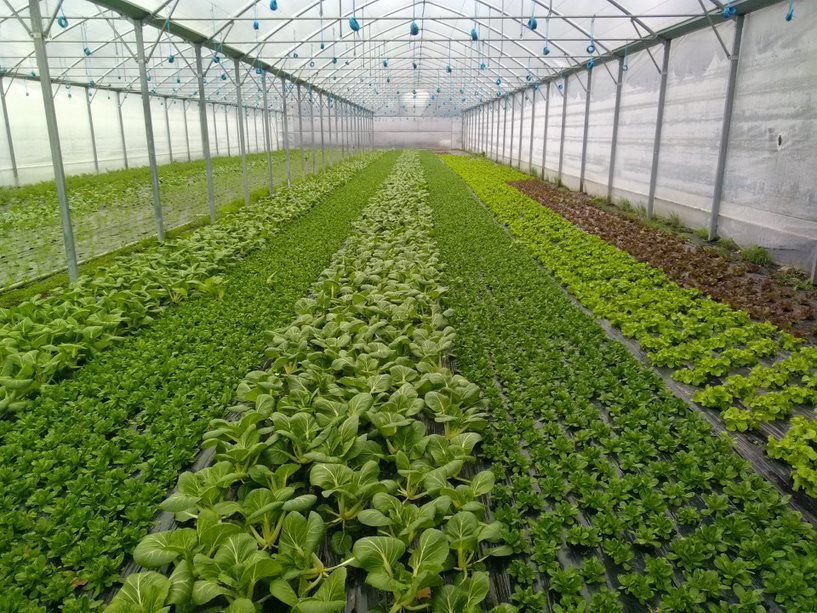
[[241, 605], [205, 591], [162, 548], [141, 593], [377, 553], [283, 591], [430, 553]]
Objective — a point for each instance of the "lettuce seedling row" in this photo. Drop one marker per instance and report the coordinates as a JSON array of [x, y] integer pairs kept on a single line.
[[93, 455], [706, 344], [332, 444], [616, 495], [112, 210], [43, 338]]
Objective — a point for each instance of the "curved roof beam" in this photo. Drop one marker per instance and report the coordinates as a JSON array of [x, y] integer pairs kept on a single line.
[[333, 71], [371, 21], [427, 83], [499, 50]]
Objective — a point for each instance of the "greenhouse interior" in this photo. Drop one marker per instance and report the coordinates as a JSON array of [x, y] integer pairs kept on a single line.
[[434, 305]]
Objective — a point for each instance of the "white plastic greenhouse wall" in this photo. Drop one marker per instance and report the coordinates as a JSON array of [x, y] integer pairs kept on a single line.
[[769, 195], [30, 137], [770, 183]]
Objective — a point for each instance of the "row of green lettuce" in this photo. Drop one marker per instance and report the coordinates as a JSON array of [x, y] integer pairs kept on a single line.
[[350, 453], [616, 495], [706, 343], [83, 469], [44, 337], [30, 207]]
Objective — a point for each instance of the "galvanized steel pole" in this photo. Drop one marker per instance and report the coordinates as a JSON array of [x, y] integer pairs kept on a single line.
[[614, 138], [245, 177], [286, 131], [534, 95], [91, 127], [186, 131], [121, 129], [659, 122], [205, 137], [215, 128], [562, 137], [154, 173], [53, 138], [301, 131], [521, 131], [504, 127], [545, 135], [323, 142], [729, 103], [267, 134], [312, 128], [8, 132], [167, 128], [513, 125], [586, 127]]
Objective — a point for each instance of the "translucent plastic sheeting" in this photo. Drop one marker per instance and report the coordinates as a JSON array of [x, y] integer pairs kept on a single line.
[[422, 132], [770, 187]]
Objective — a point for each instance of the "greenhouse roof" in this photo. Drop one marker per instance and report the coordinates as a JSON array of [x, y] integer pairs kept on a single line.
[[426, 57]]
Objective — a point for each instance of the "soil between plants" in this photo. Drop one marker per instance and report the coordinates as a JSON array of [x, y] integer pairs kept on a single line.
[[742, 285]]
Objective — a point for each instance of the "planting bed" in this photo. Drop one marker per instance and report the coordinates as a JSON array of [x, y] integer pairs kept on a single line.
[[86, 463], [114, 209], [740, 284], [356, 438], [616, 495], [43, 338], [756, 375]]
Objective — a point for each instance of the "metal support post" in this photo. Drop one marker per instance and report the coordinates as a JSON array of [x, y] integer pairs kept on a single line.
[[215, 126], [267, 134], [255, 128], [8, 132], [186, 131], [285, 136], [727, 122], [227, 129], [614, 138], [154, 172], [343, 130], [521, 131], [53, 137], [121, 129], [586, 128], [534, 96], [504, 127], [205, 137], [91, 127], [513, 125], [312, 128], [545, 134], [167, 127], [329, 128], [301, 130], [659, 124], [242, 146], [562, 137], [323, 142]]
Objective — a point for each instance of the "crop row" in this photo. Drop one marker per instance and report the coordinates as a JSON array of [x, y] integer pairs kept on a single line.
[[357, 436], [31, 206], [615, 494], [702, 340], [84, 467], [44, 337]]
